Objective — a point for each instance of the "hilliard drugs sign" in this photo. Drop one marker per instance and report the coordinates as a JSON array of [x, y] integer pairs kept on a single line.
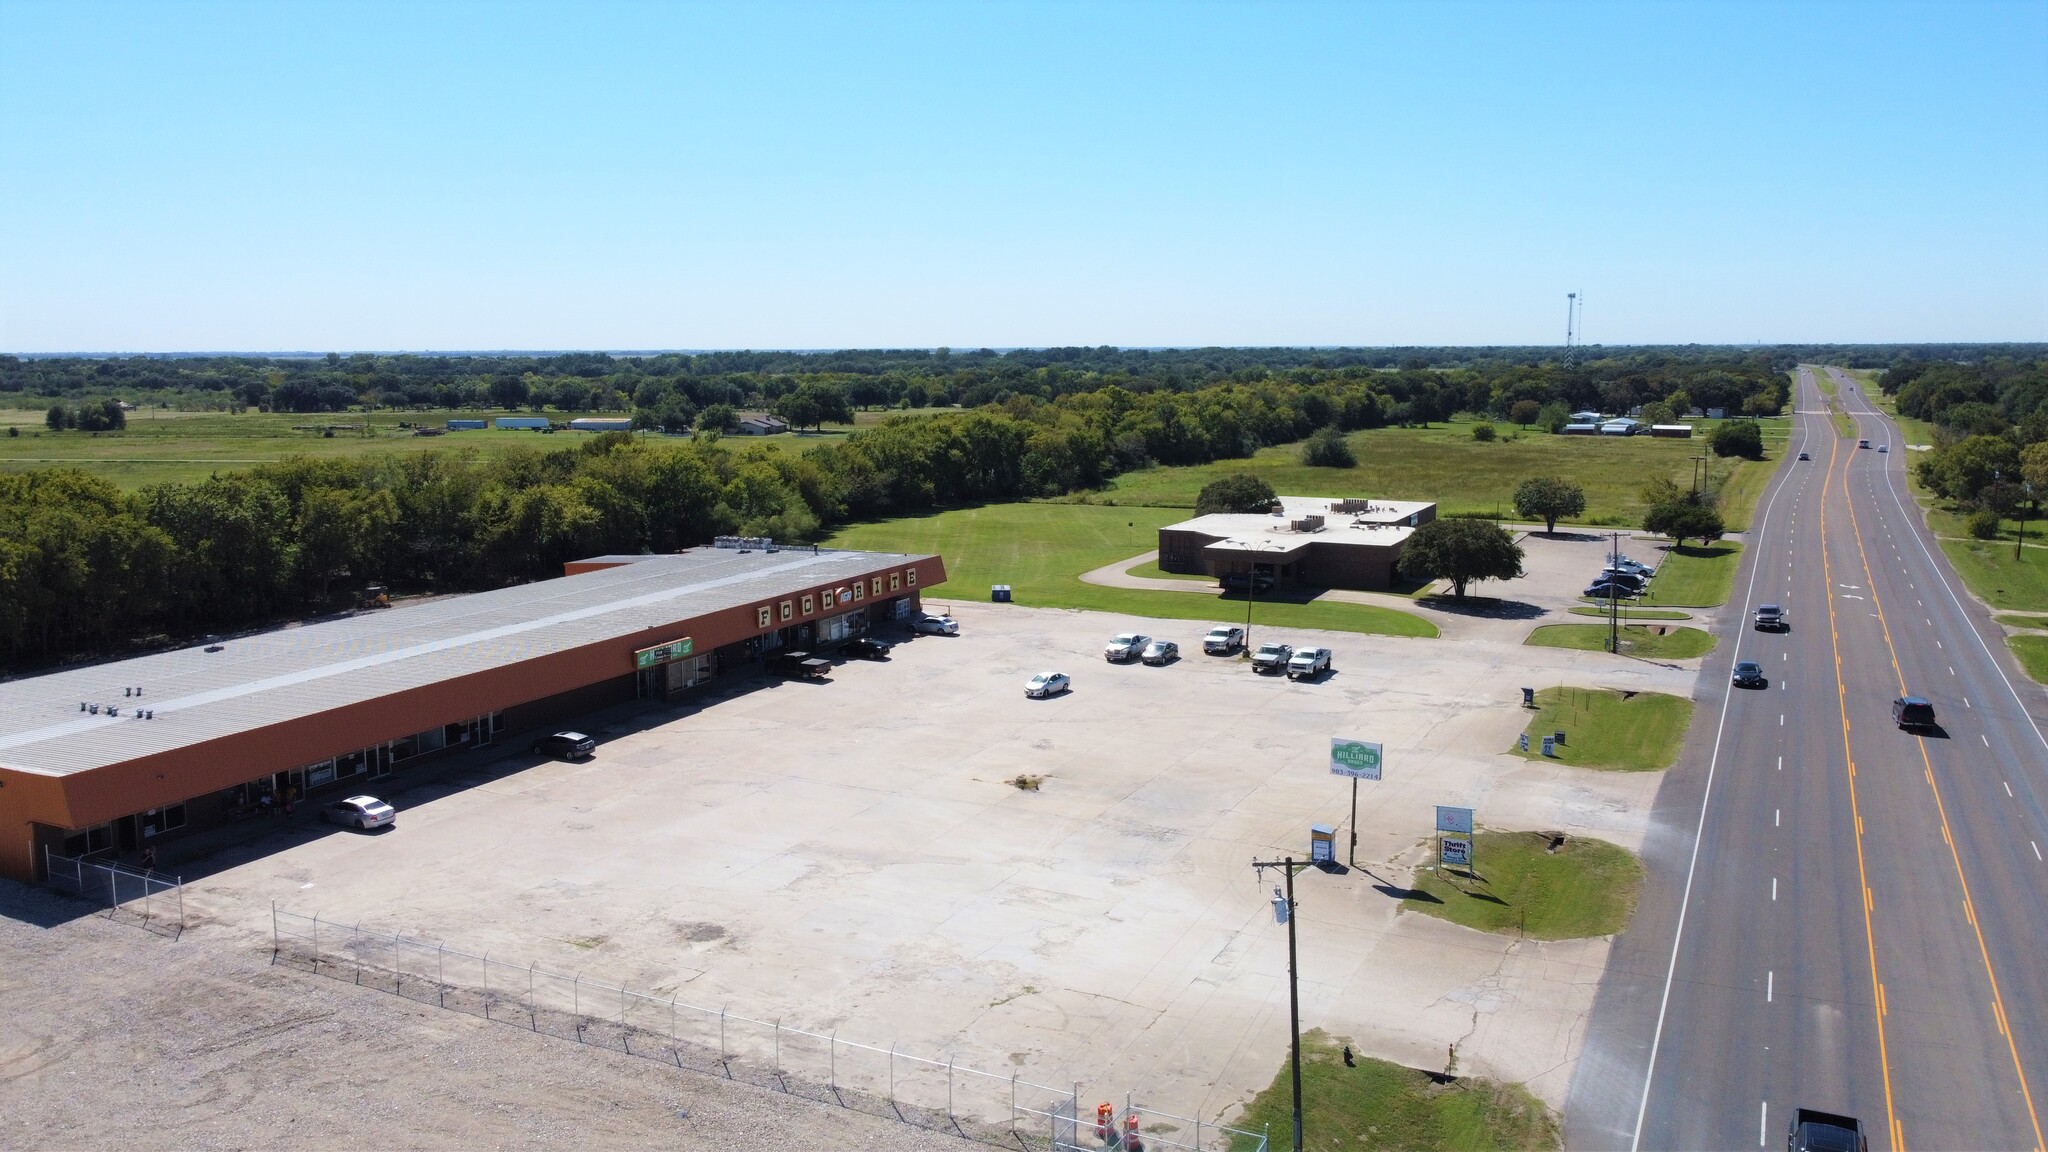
[[1354, 758]]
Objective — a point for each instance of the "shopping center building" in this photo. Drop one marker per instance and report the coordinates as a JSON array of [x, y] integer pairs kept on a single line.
[[112, 759]]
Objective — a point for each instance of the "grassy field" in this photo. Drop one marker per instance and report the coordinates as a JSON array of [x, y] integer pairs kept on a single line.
[[1040, 550], [1443, 463], [1379, 1104], [188, 446], [2032, 652], [1689, 576], [1604, 728], [1151, 570], [1636, 639], [1519, 883], [2015, 621], [1630, 613]]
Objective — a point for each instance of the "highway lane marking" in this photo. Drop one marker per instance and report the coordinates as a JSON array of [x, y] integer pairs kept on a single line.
[[1763, 1125], [1955, 857], [1951, 669], [1986, 740], [1774, 889], [1781, 763], [1770, 986], [2008, 788], [2036, 848], [1699, 835], [1884, 1058], [1777, 821]]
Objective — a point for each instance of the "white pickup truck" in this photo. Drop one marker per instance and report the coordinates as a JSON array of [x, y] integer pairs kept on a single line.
[[1126, 646], [1308, 663]]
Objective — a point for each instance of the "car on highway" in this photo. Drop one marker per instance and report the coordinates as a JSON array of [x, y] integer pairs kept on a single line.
[[1308, 663], [1223, 640], [1816, 1131], [1125, 646], [363, 812], [1884, 447], [864, 648], [1160, 652], [1805, 456], [565, 745], [1272, 657], [1771, 618], [1912, 712], [936, 625], [1048, 684], [1749, 674], [1613, 590], [1863, 443]]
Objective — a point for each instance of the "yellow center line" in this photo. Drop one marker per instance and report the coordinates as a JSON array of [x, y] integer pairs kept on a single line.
[[1941, 809], [1855, 809]]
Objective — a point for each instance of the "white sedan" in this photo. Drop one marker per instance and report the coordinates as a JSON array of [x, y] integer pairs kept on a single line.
[[936, 625], [1048, 684], [359, 811]]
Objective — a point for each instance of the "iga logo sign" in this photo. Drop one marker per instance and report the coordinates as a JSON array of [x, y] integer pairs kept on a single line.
[[1355, 758]]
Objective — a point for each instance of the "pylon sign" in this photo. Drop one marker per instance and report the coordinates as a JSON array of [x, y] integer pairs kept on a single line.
[[1355, 758]]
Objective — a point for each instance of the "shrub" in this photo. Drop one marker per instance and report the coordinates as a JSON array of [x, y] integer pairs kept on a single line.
[[1483, 433], [1983, 524], [1742, 438], [1327, 449], [1525, 412]]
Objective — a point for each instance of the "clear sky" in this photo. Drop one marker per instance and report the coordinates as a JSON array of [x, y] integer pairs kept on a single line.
[[439, 176]]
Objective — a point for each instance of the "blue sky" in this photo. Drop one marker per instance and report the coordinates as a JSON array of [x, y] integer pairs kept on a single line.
[[440, 176]]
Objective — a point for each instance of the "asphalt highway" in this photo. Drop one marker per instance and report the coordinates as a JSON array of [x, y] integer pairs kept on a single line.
[[1840, 915]]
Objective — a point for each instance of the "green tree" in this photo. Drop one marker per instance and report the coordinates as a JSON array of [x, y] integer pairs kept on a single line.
[[1962, 470], [1744, 438], [1680, 403], [1685, 519], [1525, 412], [718, 418], [1554, 417], [2034, 466], [1461, 551], [508, 391], [1243, 492], [1658, 412], [57, 419], [1549, 499], [1327, 449]]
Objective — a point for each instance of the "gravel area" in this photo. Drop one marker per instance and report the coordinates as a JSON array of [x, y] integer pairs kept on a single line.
[[112, 1037]]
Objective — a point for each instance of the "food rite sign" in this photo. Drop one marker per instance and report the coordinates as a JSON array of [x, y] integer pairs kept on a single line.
[[663, 653]]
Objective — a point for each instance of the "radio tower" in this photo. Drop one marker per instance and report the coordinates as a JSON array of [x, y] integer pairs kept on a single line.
[[1571, 308]]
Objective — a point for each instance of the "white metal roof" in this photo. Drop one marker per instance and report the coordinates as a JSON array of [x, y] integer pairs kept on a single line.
[[1385, 523], [288, 673]]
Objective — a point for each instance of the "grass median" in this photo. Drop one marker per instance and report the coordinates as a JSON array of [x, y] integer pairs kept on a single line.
[[2032, 653], [1630, 613], [1609, 728], [1380, 1104], [1040, 550], [1692, 576], [1534, 884], [1658, 640]]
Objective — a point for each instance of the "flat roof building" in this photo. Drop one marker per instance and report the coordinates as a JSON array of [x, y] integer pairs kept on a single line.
[[119, 756], [1307, 541]]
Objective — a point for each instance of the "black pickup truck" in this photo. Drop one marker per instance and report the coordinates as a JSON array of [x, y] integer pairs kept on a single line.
[[1814, 1131], [799, 664]]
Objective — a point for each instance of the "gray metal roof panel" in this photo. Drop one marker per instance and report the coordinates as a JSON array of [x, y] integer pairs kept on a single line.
[[289, 673]]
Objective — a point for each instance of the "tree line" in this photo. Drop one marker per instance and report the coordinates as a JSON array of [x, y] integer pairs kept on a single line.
[[1990, 432]]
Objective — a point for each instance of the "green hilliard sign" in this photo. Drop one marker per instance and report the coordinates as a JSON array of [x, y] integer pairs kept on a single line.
[[1354, 758], [663, 653]]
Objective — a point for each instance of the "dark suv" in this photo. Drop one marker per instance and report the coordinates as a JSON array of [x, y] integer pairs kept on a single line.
[[565, 745], [1911, 712], [1814, 1131]]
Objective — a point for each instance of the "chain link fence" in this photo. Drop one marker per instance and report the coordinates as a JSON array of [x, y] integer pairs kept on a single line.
[[938, 1094], [151, 900]]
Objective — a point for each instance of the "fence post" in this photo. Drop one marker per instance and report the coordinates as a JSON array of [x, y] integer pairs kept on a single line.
[[778, 1055], [273, 931], [487, 983], [181, 906], [397, 965], [672, 1023], [146, 905], [356, 935], [532, 1006], [576, 1004], [113, 892], [892, 1079], [721, 1045], [441, 973], [949, 1089], [316, 943], [1013, 1105], [622, 1005]]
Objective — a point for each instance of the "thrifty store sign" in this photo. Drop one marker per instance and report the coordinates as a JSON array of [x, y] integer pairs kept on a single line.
[[662, 653]]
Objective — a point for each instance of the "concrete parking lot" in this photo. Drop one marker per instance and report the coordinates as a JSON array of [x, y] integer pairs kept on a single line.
[[850, 855]]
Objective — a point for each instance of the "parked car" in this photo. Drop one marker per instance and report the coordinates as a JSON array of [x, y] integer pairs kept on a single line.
[[936, 625], [1160, 652], [1048, 684], [1749, 674], [1126, 646], [1612, 590], [1308, 663], [1238, 582], [1911, 712], [864, 648], [1624, 564], [565, 745], [1272, 657], [359, 812], [1771, 618], [1223, 640], [1804, 456], [1622, 576], [1814, 1131]]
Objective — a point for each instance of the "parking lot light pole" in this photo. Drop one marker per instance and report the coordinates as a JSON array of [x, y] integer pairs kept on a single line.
[[1283, 911], [1251, 589]]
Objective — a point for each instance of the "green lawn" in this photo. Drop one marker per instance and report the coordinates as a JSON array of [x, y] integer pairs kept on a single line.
[[1040, 550], [2032, 652], [1605, 728], [1443, 463], [1518, 884], [2013, 621], [1630, 613], [1636, 639], [1689, 576], [1151, 570], [188, 446], [1380, 1104], [1990, 571]]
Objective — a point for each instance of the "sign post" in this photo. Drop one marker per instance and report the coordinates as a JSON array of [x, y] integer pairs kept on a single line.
[[1360, 761], [1454, 836]]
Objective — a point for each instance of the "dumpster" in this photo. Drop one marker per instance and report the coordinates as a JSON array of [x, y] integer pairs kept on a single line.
[[999, 593]]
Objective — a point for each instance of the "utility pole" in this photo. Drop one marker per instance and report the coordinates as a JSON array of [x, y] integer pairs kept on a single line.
[[2021, 540], [1283, 912], [1571, 307], [1251, 589], [1614, 601]]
